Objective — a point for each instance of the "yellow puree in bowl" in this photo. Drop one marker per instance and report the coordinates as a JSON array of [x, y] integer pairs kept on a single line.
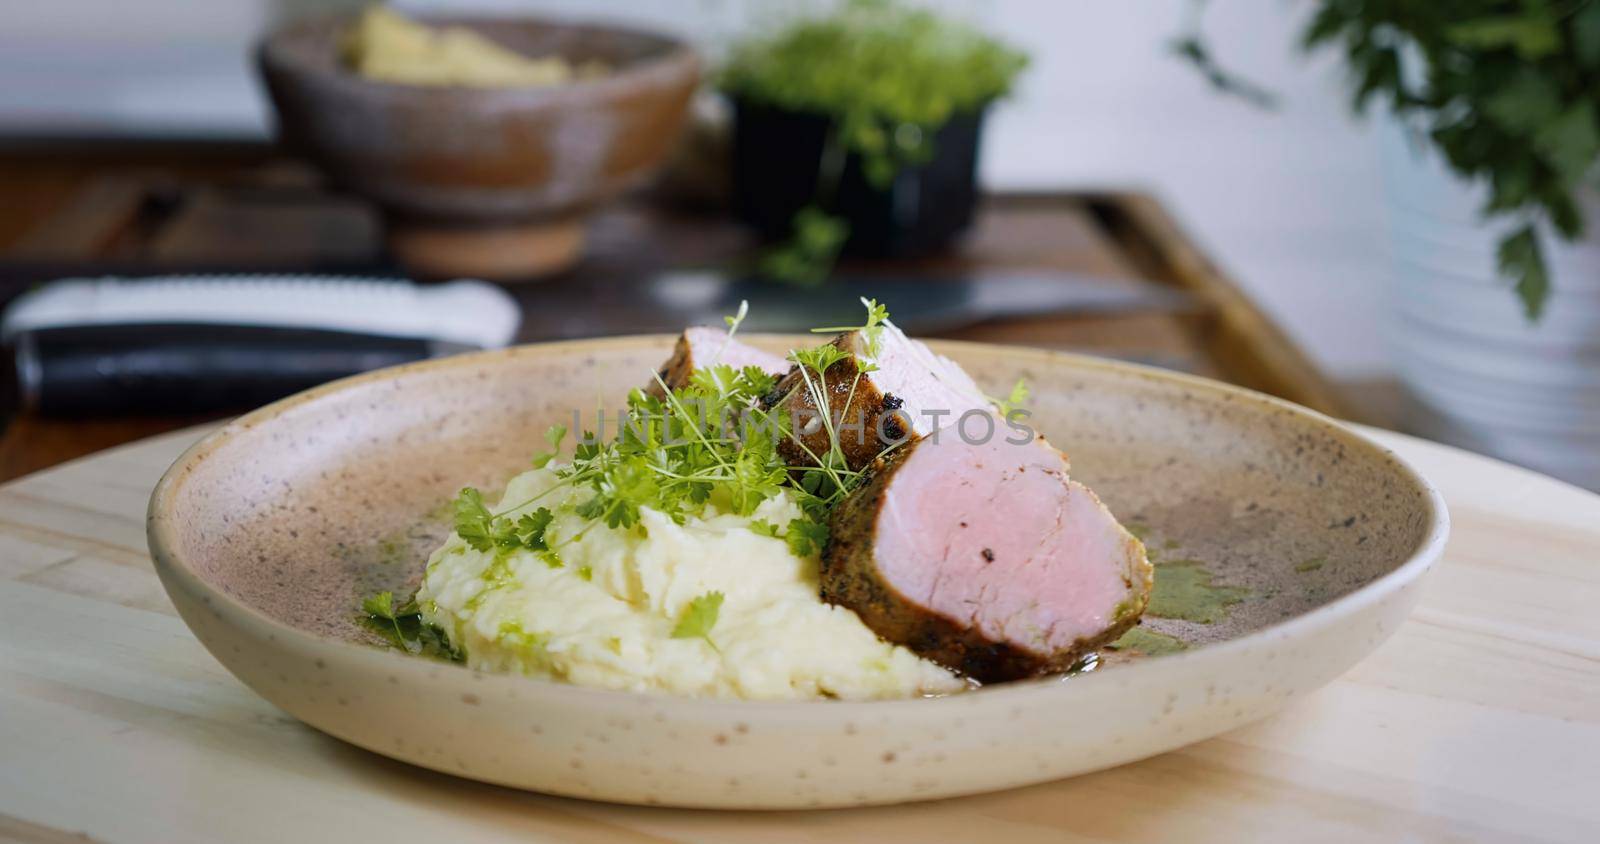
[[602, 611], [388, 47]]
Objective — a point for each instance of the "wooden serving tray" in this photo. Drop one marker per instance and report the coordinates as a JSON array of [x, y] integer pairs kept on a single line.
[[269, 215]]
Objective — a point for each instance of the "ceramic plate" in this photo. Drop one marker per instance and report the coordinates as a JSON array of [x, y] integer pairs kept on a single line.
[[268, 531]]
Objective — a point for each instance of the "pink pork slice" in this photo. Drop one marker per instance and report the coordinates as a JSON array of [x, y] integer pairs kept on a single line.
[[985, 557]]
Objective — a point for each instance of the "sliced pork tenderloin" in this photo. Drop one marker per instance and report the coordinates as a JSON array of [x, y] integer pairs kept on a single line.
[[985, 557], [704, 346], [909, 392]]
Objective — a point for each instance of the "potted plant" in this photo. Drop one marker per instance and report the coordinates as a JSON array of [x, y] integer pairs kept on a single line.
[[859, 131], [1490, 163]]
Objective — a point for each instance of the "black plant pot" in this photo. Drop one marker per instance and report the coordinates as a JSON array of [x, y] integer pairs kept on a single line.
[[777, 155]]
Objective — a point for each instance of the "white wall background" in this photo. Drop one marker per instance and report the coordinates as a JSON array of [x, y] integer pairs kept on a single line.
[[1289, 201]]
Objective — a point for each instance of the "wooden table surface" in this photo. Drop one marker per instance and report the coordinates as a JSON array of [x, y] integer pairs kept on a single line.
[[1479, 720]]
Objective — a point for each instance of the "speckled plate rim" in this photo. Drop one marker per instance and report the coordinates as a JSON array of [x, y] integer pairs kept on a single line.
[[175, 573]]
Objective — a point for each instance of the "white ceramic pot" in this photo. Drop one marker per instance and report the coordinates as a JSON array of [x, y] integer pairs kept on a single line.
[[1482, 376]]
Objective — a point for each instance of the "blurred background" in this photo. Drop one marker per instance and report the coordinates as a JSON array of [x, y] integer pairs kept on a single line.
[[1187, 183], [1290, 201]]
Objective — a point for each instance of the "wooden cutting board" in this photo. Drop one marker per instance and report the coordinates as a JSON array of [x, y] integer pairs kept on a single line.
[[1479, 720]]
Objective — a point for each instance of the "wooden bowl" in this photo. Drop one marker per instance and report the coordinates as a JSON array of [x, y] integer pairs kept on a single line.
[[267, 532], [486, 182]]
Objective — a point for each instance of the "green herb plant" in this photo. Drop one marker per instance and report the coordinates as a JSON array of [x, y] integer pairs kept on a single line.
[[1508, 91], [888, 76]]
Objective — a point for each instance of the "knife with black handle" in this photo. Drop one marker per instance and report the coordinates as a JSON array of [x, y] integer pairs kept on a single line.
[[179, 368], [182, 345]]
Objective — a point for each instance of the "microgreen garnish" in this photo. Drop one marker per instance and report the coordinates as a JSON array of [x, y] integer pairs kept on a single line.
[[733, 321], [1014, 401], [403, 628], [827, 478], [552, 435], [699, 617], [871, 330], [733, 327]]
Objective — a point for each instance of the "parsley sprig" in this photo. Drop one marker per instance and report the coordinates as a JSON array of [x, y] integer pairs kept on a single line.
[[403, 628], [485, 531], [699, 617]]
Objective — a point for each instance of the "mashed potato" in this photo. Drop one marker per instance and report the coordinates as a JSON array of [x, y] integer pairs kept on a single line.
[[604, 615], [388, 47]]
